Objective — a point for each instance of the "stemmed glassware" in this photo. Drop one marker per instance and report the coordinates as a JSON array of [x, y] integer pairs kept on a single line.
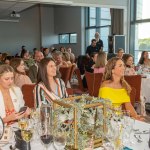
[[45, 127], [27, 133], [23, 123], [128, 128], [115, 130], [46, 136]]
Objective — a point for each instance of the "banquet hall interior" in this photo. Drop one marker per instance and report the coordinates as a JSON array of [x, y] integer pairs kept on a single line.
[[79, 58]]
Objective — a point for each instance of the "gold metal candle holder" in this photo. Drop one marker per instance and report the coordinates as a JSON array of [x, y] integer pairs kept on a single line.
[[70, 103]]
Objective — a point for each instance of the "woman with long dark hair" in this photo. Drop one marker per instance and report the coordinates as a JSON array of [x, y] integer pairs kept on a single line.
[[49, 87], [20, 73], [144, 59]]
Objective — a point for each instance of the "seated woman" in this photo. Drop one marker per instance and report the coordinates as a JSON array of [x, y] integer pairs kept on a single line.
[[59, 60], [20, 75], [115, 88], [99, 66], [128, 60], [49, 87], [11, 98], [66, 58], [144, 59], [27, 59]]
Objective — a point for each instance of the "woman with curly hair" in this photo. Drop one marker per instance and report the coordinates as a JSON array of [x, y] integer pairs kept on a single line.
[[129, 67], [115, 88], [144, 59]]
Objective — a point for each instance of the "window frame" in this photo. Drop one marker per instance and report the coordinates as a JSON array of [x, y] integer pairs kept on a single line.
[[97, 27], [69, 34]]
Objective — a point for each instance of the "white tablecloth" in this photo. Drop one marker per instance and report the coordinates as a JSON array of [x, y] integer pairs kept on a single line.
[[36, 144], [145, 89]]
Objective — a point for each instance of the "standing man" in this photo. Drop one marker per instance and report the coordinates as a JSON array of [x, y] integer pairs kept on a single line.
[[92, 48], [33, 70], [99, 42]]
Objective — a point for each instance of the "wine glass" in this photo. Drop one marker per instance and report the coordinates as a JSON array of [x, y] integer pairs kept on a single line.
[[46, 114], [46, 136], [23, 123], [27, 133]]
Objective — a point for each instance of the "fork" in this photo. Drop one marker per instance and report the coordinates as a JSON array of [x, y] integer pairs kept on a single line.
[[138, 139]]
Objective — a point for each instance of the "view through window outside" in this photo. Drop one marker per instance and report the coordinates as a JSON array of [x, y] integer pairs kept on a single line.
[[142, 30]]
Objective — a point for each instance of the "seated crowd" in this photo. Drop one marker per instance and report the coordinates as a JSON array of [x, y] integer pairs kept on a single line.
[[43, 67]]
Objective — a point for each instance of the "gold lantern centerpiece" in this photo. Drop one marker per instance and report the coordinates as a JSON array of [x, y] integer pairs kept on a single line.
[[83, 118]]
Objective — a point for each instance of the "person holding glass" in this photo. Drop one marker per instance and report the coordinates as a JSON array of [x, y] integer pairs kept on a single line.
[[115, 88], [49, 87], [11, 98]]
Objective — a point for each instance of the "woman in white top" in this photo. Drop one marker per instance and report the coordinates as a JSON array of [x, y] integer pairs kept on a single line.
[[11, 98]]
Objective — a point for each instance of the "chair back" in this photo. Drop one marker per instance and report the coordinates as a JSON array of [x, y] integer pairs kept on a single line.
[[93, 82], [78, 74], [72, 71], [65, 73], [135, 81], [133, 96], [27, 91], [69, 91]]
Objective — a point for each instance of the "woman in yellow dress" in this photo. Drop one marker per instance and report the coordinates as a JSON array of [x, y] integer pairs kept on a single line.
[[115, 88]]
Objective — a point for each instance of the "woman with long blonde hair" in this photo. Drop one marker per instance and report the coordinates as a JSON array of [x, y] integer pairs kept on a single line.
[[99, 66], [115, 88]]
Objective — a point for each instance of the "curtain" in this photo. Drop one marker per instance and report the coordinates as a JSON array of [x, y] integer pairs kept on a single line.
[[116, 21]]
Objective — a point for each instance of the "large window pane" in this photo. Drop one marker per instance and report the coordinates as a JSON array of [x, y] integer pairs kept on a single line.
[[105, 13], [143, 9], [142, 39], [73, 38], [92, 12], [64, 38], [91, 33], [104, 33], [105, 22]]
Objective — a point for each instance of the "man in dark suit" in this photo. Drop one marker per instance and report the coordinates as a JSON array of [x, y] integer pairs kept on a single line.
[[33, 70]]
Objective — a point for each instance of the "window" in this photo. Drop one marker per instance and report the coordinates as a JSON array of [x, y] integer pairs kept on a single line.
[[68, 38], [64, 38], [142, 9], [73, 38], [140, 24], [98, 20], [142, 39], [92, 17]]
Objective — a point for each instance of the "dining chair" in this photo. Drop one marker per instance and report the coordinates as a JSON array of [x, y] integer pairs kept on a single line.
[[80, 84], [135, 81], [133, 96], [65, 74], [93, 82], [69, 91], [28, 96], [72, 71]]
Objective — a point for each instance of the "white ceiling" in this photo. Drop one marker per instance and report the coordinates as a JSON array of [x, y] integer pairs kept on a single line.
[[6, 7]]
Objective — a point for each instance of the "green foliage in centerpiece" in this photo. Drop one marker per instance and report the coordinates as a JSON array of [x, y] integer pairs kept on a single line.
[[82, 117]]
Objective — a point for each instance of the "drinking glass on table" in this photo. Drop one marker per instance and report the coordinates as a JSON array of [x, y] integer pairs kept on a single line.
[[128, 128], [46, 136], [23, 123], [27, 133]]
